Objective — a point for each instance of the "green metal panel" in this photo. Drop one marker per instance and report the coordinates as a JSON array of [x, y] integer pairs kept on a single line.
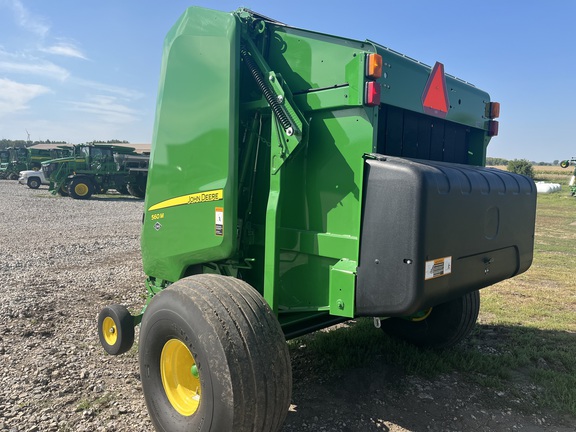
[[310, 60], [404, 80], [313, 203], [342, 283], [192, 177], [321, 206]]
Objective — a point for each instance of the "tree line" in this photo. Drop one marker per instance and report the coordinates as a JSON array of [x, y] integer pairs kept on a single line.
[[493, 161]]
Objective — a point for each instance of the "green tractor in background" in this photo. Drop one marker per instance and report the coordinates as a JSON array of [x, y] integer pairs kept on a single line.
[[572, 184], [4, 162], [16, 159], [95, 168]]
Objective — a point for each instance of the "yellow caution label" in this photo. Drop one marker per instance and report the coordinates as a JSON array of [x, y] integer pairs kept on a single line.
[[196, 198]]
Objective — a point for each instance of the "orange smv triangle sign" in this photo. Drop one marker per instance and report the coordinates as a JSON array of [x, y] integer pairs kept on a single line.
[[435, 97]]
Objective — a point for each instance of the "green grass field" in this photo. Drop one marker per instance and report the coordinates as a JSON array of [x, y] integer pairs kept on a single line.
[[525, 339]]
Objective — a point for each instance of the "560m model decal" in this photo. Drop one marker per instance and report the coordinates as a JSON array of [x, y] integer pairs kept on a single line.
[[196, 198]]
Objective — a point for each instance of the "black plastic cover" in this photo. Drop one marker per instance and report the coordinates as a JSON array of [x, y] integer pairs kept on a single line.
[[433, 231]]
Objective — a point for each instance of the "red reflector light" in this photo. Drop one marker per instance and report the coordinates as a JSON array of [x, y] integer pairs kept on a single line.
[[435, 96], [492, 128], [492, 110], [372, 93], [374, 66]]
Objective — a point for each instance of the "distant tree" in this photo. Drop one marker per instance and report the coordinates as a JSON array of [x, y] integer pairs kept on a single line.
[[113, 141], [492, 161], [49, 142], [521, 166], [556, 162]]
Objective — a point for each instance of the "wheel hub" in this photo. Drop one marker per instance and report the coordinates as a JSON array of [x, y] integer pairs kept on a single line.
[[180, 377], [109, 331], [81, 189]]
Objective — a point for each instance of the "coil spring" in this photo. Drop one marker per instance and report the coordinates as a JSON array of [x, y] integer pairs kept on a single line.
[[268, 94]]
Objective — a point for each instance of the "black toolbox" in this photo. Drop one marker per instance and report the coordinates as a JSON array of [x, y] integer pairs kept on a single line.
[[433, 231]]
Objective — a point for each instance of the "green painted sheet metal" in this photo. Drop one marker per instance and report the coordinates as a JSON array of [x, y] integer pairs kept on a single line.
[[193, 155], [342, 284], [404, 80], [314, 61]]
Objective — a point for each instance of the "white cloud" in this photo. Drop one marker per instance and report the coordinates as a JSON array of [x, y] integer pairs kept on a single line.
[[38, 26], [21, 63], [33, 66], [25, 19], [65, 49], [115, 90], [14, 96], [107, 109]]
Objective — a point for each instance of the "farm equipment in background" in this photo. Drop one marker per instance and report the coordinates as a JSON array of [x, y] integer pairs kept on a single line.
[[4, 156], [95, 168], [572, 184], [299, 180], [4, 162], [16, 159]]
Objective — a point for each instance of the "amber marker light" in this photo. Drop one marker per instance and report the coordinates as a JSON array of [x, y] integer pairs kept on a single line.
[[492, 110], [374, 66]]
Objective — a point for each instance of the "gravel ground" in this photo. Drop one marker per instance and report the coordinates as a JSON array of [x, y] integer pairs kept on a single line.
[[63, 260]]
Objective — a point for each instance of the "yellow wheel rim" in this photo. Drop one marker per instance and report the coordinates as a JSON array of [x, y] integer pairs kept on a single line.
[[110, 331], [81, 189], [180, 377]]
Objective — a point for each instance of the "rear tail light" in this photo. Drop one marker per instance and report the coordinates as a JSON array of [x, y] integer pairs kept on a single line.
[[372, 93], [492, 128]]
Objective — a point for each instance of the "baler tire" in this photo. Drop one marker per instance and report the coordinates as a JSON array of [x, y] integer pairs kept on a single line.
[[81, 188], [445, 326], [222, 330], [33, 182], [13, 176], [116, 329]]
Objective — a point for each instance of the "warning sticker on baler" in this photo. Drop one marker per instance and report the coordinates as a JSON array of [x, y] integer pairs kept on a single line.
[[438, 267], [219, 221]]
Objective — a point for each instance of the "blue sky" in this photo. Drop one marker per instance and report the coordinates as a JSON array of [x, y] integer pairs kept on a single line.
[[84, 70]]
